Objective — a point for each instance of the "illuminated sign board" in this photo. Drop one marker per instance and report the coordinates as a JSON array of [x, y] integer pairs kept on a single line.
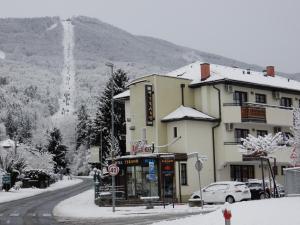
[[167, 166], [149, 105]]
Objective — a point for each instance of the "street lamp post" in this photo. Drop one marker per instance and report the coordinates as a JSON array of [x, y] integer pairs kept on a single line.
[[111, 66]]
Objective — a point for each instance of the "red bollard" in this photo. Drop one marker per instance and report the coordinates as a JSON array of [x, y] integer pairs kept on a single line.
[[227, 216]]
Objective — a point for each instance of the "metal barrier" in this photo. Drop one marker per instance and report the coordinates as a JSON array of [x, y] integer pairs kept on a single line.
[[105, 192], [292, 181]]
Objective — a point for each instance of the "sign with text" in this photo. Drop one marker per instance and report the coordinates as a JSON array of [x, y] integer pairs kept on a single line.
[[149, 105], [141, 147], [167, 166]]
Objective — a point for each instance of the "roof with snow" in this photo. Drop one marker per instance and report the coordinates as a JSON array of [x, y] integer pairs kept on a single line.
[[122, 95], [226, 73], [187, 113]]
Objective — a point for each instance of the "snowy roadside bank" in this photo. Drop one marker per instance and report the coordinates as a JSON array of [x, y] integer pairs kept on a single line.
[[28, 192], [82, 206], [263, 212]]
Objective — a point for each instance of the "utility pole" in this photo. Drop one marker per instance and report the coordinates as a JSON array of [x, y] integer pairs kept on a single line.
[[112, 154]]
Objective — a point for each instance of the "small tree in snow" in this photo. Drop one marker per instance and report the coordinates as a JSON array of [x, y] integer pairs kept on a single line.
[[295, 156], [79, 165], [261, 145]]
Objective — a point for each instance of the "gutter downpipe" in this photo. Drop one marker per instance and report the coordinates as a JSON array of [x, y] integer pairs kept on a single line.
[[213, 133]]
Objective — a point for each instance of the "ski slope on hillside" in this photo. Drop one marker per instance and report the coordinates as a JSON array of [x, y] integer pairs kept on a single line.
[[66, 101]]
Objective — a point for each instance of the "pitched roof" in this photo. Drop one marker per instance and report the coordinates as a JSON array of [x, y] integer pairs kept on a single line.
[[122, 95], [226, 73], [187, 113]]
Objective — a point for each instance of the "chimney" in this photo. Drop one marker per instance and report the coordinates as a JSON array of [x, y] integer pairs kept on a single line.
[[271, 71], [205, 71]]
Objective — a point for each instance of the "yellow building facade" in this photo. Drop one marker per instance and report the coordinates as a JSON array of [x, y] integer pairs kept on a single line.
[[207, 109]]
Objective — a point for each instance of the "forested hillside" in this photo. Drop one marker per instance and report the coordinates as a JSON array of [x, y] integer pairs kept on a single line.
[[30, 65]]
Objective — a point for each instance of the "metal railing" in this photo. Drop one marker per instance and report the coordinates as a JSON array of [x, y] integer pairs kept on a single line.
[[256, 105]]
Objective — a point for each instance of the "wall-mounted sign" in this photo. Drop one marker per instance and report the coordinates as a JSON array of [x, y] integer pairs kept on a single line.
[[131, 162], [141, 147], [149, 105]]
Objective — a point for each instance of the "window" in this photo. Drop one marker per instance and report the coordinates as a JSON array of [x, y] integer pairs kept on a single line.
[[241, 172], [261, 133], [183, 174], [240, 97], [286, 102], [175, 132], [260, 98], [240, 133], [282, 169]]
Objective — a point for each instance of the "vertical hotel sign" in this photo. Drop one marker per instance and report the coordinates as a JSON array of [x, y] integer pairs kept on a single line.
[[149, 105]]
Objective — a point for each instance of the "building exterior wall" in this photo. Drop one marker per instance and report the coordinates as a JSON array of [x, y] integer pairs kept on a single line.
[[196, 136]]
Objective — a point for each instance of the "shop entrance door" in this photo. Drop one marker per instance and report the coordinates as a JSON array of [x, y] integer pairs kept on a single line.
[[168, 186]]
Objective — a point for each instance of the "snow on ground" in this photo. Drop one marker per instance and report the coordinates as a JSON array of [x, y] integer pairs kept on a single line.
[[53, 26], [260, 212], [2, 55], [83, 206], [27, 192]]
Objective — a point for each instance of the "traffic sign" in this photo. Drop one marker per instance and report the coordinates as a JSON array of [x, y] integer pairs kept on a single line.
[[113, 169], [198, 165]]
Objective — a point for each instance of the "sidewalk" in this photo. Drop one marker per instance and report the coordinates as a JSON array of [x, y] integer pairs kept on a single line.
[[82, 206]]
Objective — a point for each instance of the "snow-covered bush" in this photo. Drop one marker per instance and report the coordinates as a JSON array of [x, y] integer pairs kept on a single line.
[[261, 145], [79, 164], [295, 140]]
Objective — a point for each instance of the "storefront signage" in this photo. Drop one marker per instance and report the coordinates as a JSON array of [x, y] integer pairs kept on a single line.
[[152, 176], [149, 105], [141, 147], [131, 162], [167, 166]]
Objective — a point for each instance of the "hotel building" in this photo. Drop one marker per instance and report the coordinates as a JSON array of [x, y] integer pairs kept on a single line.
[[206, 108]]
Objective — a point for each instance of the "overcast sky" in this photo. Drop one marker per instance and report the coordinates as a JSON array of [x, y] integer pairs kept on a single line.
[[263, 32]]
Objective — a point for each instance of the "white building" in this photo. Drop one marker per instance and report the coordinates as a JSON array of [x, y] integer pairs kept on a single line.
[[210, 107]]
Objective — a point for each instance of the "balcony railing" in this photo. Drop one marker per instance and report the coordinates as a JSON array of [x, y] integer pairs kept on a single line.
[[253, 114], [254, 104]]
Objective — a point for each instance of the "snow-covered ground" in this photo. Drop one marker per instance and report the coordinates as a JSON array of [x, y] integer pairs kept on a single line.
[[82, 206], [27, 192], [2, 55], [260, 212]]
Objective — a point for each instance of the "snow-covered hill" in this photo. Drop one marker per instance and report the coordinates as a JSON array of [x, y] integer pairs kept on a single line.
[[33, 63], [97, 42]]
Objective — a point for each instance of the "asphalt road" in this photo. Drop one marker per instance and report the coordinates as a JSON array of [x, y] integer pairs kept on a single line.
[[37, 210]]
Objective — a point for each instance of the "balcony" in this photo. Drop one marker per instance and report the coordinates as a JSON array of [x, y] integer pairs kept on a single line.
[[253, 114], [257, 113]]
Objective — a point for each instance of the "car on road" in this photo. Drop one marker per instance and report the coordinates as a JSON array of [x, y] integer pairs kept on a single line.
[[257, 190], [224, 191]]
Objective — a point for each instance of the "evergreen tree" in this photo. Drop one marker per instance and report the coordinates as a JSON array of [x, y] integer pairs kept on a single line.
[[102, 121], [57, 149], [83, 128]]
